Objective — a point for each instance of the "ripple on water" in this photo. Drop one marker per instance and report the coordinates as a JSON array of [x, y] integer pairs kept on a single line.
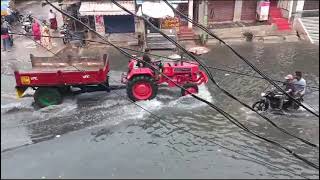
[[188, 102]]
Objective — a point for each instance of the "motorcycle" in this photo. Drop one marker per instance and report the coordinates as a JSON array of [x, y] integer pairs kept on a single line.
[[27, 23], [65, 33], [10, 37], [72, 37], [15, 16], [272, 100]]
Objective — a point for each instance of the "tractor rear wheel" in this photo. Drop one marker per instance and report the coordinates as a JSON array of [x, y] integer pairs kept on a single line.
[[142, 88], [192, 88], [45, 96]]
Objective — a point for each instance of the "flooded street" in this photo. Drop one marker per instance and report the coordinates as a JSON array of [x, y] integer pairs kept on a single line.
[[104, 135]]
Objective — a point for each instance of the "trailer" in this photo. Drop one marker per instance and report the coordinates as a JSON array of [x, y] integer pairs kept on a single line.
[[53, 77]]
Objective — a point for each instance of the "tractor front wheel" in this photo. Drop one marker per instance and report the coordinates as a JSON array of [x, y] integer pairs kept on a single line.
[[47, 96], [142, 88], [192, 88]]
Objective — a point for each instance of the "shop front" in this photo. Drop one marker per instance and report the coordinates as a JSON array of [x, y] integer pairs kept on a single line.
[[220, 11], [161, 16], [109, 18], [248, 12]]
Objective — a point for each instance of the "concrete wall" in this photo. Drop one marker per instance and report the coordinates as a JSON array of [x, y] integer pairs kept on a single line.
[[237, 10], [300, 29], [299, 7], [190, 12], [201, 12]]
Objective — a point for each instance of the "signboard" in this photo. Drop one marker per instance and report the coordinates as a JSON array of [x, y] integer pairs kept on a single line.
[[263, 10], [99, 23], [4, 7], [170, 23]]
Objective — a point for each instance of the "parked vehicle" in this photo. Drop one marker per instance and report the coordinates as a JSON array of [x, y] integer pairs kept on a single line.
[[272, 99], [27, 23], [72, 37], [15, 16], [65, 33], [142, 82]]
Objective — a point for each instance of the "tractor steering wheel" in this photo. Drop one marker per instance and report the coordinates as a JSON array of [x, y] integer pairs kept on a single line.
[[157, 63]]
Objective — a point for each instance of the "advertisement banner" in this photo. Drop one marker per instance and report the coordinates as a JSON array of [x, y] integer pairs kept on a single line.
[[99, 22], [170, 23], [4, 7]]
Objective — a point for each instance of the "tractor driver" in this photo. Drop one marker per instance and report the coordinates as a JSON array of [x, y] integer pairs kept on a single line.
[[146, 59], [147, 62]]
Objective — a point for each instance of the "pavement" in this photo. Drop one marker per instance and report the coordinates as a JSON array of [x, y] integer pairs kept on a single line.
[[232, 33]]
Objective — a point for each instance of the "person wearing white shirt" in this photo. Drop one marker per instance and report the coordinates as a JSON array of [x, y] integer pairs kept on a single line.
[[53, 20], [299, 84]]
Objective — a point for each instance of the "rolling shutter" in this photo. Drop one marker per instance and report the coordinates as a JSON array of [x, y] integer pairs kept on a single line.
[[248, 12], [220, 10]]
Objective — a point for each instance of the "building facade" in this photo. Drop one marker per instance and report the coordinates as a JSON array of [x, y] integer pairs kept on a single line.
[[222, 11]]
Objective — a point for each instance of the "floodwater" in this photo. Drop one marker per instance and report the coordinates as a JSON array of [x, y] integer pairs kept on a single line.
[[103, 135]]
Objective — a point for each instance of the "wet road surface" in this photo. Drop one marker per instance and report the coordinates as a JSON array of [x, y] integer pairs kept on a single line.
[[103, 135]]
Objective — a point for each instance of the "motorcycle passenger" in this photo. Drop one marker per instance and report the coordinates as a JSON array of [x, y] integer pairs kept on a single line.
[[289, 88], [299, 85]]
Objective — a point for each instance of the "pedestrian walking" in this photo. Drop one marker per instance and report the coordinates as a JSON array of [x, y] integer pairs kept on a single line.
[[5, 35], [53, 20], [36, 31], [46, 36]]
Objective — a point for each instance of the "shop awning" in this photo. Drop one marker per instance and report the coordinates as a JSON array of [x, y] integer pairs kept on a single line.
[[105, 8], [170, 1], [155, 10], [69, 2]]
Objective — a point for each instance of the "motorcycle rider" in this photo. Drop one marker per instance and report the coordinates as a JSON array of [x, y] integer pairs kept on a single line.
[[299, 85], [147, 62], [289, 88]]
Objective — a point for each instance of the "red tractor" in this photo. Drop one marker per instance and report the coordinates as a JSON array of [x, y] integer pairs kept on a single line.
[[142, 81]]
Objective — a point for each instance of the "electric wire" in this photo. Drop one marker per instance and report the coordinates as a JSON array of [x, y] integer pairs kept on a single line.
[[228, 116], [241, 57], [168, 58], [158, 118], [211, 78]]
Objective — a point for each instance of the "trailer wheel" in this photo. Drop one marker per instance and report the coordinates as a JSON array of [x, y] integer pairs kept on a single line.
[[192, 88], [142, 88], [47, 96]]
